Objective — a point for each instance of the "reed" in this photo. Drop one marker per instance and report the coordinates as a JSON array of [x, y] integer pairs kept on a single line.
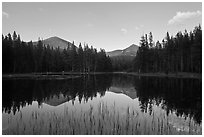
[[96, 121]]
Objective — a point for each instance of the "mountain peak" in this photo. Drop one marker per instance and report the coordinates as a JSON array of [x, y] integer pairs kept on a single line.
[[54, 37], [129, 51], [56, 42]]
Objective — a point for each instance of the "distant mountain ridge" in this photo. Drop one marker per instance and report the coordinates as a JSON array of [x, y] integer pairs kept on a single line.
[[55, 42], [129, 51]]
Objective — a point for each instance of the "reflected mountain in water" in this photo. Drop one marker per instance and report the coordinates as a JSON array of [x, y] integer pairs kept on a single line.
[[129, 91], [123, 84], [182, 96], [56, 100], [19, 93]]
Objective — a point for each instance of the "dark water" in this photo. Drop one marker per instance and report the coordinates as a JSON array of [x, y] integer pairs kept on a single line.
[[102, 104]]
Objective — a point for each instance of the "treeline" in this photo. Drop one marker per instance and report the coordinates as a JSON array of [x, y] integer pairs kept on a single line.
[[24, 57], [182, 53], [122, 63]]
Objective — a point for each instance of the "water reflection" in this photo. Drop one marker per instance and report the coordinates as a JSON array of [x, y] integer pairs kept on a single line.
[[184, 96], [147, 97], [17, 93]]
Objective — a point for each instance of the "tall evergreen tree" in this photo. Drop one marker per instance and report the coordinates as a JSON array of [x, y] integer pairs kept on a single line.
[[181, 53]]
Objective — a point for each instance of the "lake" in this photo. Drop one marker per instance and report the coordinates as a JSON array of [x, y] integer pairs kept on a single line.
[[102, 104]]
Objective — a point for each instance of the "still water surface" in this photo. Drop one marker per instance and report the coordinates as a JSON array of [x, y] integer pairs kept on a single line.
[[102, 104]]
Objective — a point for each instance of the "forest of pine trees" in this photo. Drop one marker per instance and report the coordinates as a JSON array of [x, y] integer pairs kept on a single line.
[[25, 57], [122, 63], [182, 53]]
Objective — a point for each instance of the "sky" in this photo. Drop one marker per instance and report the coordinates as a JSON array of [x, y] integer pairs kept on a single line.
[[106, 25]]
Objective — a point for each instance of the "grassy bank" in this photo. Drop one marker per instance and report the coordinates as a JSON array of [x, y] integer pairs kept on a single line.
[[98, 121]]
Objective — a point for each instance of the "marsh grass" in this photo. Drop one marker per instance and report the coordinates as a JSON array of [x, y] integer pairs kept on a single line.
[[96, 121]]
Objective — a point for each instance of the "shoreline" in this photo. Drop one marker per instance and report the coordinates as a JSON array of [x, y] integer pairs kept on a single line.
[[171, 75], [67, 75], [38, 76]]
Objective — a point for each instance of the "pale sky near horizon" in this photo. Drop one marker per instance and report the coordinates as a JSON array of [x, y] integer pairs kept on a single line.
[[104, 25]]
